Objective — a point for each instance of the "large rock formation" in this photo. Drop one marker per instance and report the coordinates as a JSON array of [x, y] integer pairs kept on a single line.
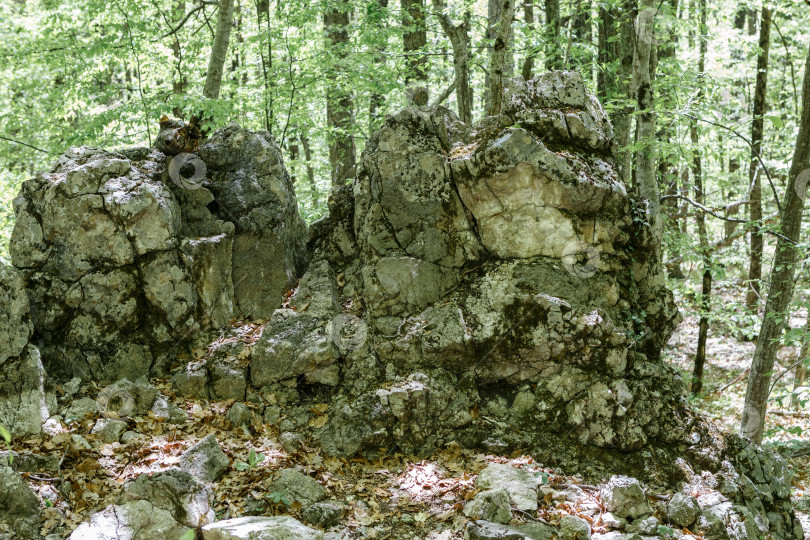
[[126, 259], [502, 266]]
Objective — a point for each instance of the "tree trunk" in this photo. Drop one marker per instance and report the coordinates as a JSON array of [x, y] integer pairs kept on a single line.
[[554, 52], [219, 51], [703, 238], [755, 266], [339, 103], [499, 53], [376, 100], [616, 38], [737, 93], [800, 372], [641, 91], [582, 34], [781, 285], [180, 82], [531, 53], [414, 40], [313, 185], [458, 38], [263, 17]]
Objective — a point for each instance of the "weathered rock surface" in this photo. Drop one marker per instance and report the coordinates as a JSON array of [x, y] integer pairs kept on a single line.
[[19, 507], [253, 190], [135, 520], [624, 498], [490, 505], [260, 528], [125, 262], [205, 461], [188, 501], [23, 403], [297, 486]]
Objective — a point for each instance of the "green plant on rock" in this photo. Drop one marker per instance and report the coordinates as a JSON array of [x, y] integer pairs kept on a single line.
[[254, 459], [6, 434]]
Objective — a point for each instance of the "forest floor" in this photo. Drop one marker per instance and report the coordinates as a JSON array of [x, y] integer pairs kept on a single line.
[[397, 497]]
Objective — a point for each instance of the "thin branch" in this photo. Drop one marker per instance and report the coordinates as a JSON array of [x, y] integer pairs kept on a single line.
[[185, 19], [25, 144], [753, 150], [444, 95], [706, 210]]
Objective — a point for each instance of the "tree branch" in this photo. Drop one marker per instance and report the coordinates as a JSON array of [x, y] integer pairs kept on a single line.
[[25, 144]]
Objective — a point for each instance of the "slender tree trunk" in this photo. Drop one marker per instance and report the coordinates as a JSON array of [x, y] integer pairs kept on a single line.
[[800, 373], [377, 99], [458, 38], [737, 93], [219, 51], [755, 266], [313, 185], [531, 54], [339, 103], [616, 38], [781, 285], [499, 50], [703, 238], [582, 34], [554, 50], [263, 16], [179, 84], [641, 91], [414, 40]]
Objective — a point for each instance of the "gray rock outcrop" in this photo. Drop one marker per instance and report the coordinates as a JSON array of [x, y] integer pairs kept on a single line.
[[126, 259]]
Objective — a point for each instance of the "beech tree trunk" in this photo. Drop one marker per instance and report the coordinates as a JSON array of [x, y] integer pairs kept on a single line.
[[414, 39], [380, 16], [179, 84], [616, 49], [781, 285], [339, 103], [219, 51], [531, 54], [641, 91], [703, 238], [755, 265], [499, 53], [313, 185], [458, 38], [554, 51]]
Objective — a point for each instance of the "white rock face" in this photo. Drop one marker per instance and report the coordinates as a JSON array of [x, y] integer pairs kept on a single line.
[[260, 528]]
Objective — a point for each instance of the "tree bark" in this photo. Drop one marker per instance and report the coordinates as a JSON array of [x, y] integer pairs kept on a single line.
[[376, 100], [755, 264], [531, 53], [414, 40], [800, 372], [499, 53], [616, 38], [313, 185], [219, 51], [554, 52], [339, 102], [781, 285], [703, 238], [180, 82], [458, 38], [641, 91]]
